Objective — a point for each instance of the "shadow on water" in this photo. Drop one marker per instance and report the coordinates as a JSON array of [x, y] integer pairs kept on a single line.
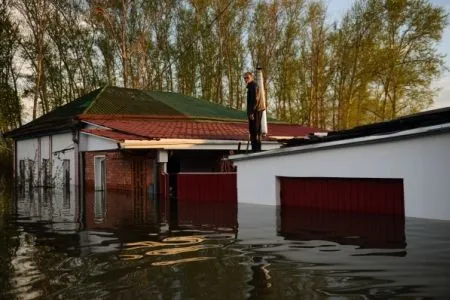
[[119, 244]]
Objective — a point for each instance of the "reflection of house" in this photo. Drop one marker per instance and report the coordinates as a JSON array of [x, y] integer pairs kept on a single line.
[[54, 208], [121, 210], [118, 210], [398, 167], [122, 138]]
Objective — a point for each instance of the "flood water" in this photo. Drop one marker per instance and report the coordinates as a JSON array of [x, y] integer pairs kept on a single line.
[[58, 245]]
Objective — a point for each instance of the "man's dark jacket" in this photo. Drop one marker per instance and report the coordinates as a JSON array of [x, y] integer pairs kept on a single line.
[[251, 97]]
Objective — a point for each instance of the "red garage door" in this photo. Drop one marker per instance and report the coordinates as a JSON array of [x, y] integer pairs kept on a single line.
[[361, 195]]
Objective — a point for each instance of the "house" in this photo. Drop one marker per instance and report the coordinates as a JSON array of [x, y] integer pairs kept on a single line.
[[119, 138], [399, 168]]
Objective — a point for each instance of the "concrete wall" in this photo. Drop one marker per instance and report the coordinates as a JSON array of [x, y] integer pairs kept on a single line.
[[56, 148], [423, 163]]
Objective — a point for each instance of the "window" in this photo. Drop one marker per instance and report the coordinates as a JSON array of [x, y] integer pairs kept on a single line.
[[99, 173]]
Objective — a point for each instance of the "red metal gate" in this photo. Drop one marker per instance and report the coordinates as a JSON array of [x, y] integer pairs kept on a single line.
[[207, 187], [362, 195]]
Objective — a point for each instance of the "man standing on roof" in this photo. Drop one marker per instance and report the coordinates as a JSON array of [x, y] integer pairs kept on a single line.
[[253, 112]]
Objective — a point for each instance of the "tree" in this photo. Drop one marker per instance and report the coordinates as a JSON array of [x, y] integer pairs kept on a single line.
[[377, 63], [264, 37], [10, 107], [408, 60], [36, 15]]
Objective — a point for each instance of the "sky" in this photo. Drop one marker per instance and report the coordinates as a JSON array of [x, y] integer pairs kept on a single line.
[[336, 9]]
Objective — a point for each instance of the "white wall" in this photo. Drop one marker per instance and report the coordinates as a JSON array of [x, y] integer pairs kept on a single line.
[[92, 143], [45, 147], [423, 163], [63, 142], [28, 149]]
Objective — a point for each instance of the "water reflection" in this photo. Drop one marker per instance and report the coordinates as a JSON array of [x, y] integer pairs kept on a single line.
[[99, 207], [368, 231], [261, 279], [117, 210], [55, 244]]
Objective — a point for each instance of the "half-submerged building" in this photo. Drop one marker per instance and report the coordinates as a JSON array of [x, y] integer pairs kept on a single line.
[[399, 167], [118, 138]]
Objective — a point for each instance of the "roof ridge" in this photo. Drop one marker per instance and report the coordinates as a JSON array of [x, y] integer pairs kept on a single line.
[[155, 117], [130, 117], [170, 118], [95, 98]]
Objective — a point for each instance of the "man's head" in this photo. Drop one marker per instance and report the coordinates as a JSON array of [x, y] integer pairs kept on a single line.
[[248, 77]]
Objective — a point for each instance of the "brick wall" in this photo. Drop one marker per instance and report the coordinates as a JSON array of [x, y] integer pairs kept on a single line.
[[120, 169]]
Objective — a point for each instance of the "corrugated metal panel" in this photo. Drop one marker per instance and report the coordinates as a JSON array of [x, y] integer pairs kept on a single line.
[[207, 187], [363, 195]]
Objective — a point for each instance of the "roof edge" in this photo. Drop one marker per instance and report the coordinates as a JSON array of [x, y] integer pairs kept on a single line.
[[95, 98], [371, 139]]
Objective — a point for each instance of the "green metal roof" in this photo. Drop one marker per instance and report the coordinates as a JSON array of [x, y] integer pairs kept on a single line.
[[115, 100], [195, 107], [123, 101]]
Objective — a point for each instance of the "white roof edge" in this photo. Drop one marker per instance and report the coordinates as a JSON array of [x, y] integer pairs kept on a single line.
[[95, 125], [192, 141], [99, 136], [190, 144], [362, 140]]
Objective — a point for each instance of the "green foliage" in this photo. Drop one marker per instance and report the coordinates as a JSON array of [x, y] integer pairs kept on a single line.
[[10, 108], [377, 63]]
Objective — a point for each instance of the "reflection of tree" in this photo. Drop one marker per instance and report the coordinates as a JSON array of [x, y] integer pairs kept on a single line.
[[260, 278], [7, 243]]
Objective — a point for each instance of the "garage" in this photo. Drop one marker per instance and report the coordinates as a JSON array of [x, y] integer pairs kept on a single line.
[[357, 195]]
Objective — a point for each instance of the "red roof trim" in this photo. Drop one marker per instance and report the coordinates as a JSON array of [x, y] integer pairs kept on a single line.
[[114, 135], [190, 129]]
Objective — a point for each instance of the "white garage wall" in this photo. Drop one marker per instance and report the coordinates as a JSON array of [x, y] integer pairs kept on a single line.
[[423, 163]]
